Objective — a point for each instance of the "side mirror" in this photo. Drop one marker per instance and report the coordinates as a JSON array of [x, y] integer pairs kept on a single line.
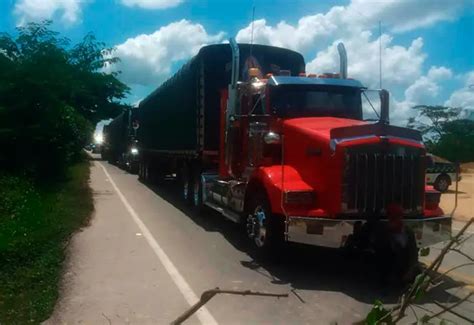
[[384, 106]]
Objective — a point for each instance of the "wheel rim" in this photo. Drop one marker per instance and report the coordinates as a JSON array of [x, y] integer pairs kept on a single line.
[[256, 226], [185, 189], [196, 193], [443, 184]]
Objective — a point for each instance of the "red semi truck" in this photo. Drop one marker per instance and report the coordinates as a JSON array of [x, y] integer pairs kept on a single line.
[[247, 133]]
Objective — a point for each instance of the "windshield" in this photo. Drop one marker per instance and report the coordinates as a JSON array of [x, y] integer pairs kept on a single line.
[[303, 101]]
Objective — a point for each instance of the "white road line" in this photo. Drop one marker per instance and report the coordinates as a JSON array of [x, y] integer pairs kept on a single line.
[[203, 313]]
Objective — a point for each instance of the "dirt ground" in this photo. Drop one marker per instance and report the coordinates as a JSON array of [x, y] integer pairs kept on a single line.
[[465, 208]]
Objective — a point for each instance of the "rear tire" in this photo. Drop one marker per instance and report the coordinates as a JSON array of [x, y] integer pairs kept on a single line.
[[141, 171], [442, 183], [185, 184], [197, 191]]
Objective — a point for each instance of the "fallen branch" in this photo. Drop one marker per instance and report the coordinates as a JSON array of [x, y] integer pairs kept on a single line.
[[445, 308], [209, 294], [471, 321], [462, 253], [421, 284], [462, 241], [450, 270]]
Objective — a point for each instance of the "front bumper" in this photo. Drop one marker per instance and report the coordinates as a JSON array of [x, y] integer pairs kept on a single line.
[[335, 232]]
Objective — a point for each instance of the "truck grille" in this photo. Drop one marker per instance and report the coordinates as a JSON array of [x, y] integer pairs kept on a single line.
[[376, 176]]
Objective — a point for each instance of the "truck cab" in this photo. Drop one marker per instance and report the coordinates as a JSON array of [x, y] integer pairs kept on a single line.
[[298, 163], [291, 156]]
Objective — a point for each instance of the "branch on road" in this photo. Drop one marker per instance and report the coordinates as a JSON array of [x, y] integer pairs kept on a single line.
[[209, 294], [463, 254], [471, 321], [444, 309]]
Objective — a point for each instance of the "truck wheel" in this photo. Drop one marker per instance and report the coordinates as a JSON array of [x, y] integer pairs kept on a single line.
[[140, 170], [397, 257], [146, 172], [442, 183], [262, 226], [133, 167], [186, 189], [197, 191]]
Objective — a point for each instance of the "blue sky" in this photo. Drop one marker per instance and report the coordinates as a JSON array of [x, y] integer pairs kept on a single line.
[[428, 51]]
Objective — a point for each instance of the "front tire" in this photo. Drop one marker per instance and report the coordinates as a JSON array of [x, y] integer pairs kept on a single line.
[[396, 256], [262, 227]]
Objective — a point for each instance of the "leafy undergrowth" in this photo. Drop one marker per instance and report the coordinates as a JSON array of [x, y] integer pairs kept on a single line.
[[36, 221]]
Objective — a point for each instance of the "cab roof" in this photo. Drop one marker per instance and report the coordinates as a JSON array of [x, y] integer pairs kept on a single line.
[[287, 80]]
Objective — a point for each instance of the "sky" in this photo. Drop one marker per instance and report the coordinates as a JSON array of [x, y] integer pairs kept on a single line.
[[427, 45]]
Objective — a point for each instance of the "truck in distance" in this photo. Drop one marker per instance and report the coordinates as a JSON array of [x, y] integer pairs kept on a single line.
[[120, 145]]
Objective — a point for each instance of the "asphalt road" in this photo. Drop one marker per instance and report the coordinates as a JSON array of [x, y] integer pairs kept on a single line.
[[146, 257]]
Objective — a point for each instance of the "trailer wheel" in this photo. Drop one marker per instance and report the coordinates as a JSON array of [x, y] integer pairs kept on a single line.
[[146, 171], [197, 190], [140, 171], [186, 186], [262, 226]]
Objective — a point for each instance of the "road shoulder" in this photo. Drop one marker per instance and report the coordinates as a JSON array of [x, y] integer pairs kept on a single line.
[[112, 275]]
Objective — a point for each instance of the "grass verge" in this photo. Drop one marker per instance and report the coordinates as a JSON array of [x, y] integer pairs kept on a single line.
[[36, 223]]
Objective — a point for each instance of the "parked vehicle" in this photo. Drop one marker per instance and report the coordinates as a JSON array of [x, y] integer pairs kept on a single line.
[[442, 174], [249, 134], [120, 145]]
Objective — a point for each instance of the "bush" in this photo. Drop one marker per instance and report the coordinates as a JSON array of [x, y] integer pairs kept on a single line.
[[47, 147], [35, 223]]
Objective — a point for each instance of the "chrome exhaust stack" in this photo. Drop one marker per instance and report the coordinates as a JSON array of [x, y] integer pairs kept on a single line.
[[231, 108], [232, 101], [342, 60]]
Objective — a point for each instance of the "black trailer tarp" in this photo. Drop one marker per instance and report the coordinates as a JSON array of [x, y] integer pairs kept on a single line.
[[183, 113], [116, 134]]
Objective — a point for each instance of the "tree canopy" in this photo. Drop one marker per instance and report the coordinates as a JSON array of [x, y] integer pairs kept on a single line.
[[51, 93], [446, 133]]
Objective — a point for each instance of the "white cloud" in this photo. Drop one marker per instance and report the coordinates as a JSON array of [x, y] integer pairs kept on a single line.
[[439, 73], [147, 59], [400, 65], [425, 89], [304, 34], [359, 15], [152, 4], [69, 11], [463, 97], [402, 15]]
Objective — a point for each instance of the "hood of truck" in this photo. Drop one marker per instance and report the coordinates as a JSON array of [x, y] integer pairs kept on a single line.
[[318, 149], [319, 127]]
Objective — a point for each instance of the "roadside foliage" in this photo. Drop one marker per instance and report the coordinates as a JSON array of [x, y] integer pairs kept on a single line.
[[51, 95]]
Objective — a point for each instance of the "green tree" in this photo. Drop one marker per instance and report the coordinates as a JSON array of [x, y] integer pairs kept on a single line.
[[445, 132], [431, 119], [51, 94], [457, 141]]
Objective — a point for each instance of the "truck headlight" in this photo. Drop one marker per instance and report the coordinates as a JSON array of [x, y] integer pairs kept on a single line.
[[134, 151], [272, 138]]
